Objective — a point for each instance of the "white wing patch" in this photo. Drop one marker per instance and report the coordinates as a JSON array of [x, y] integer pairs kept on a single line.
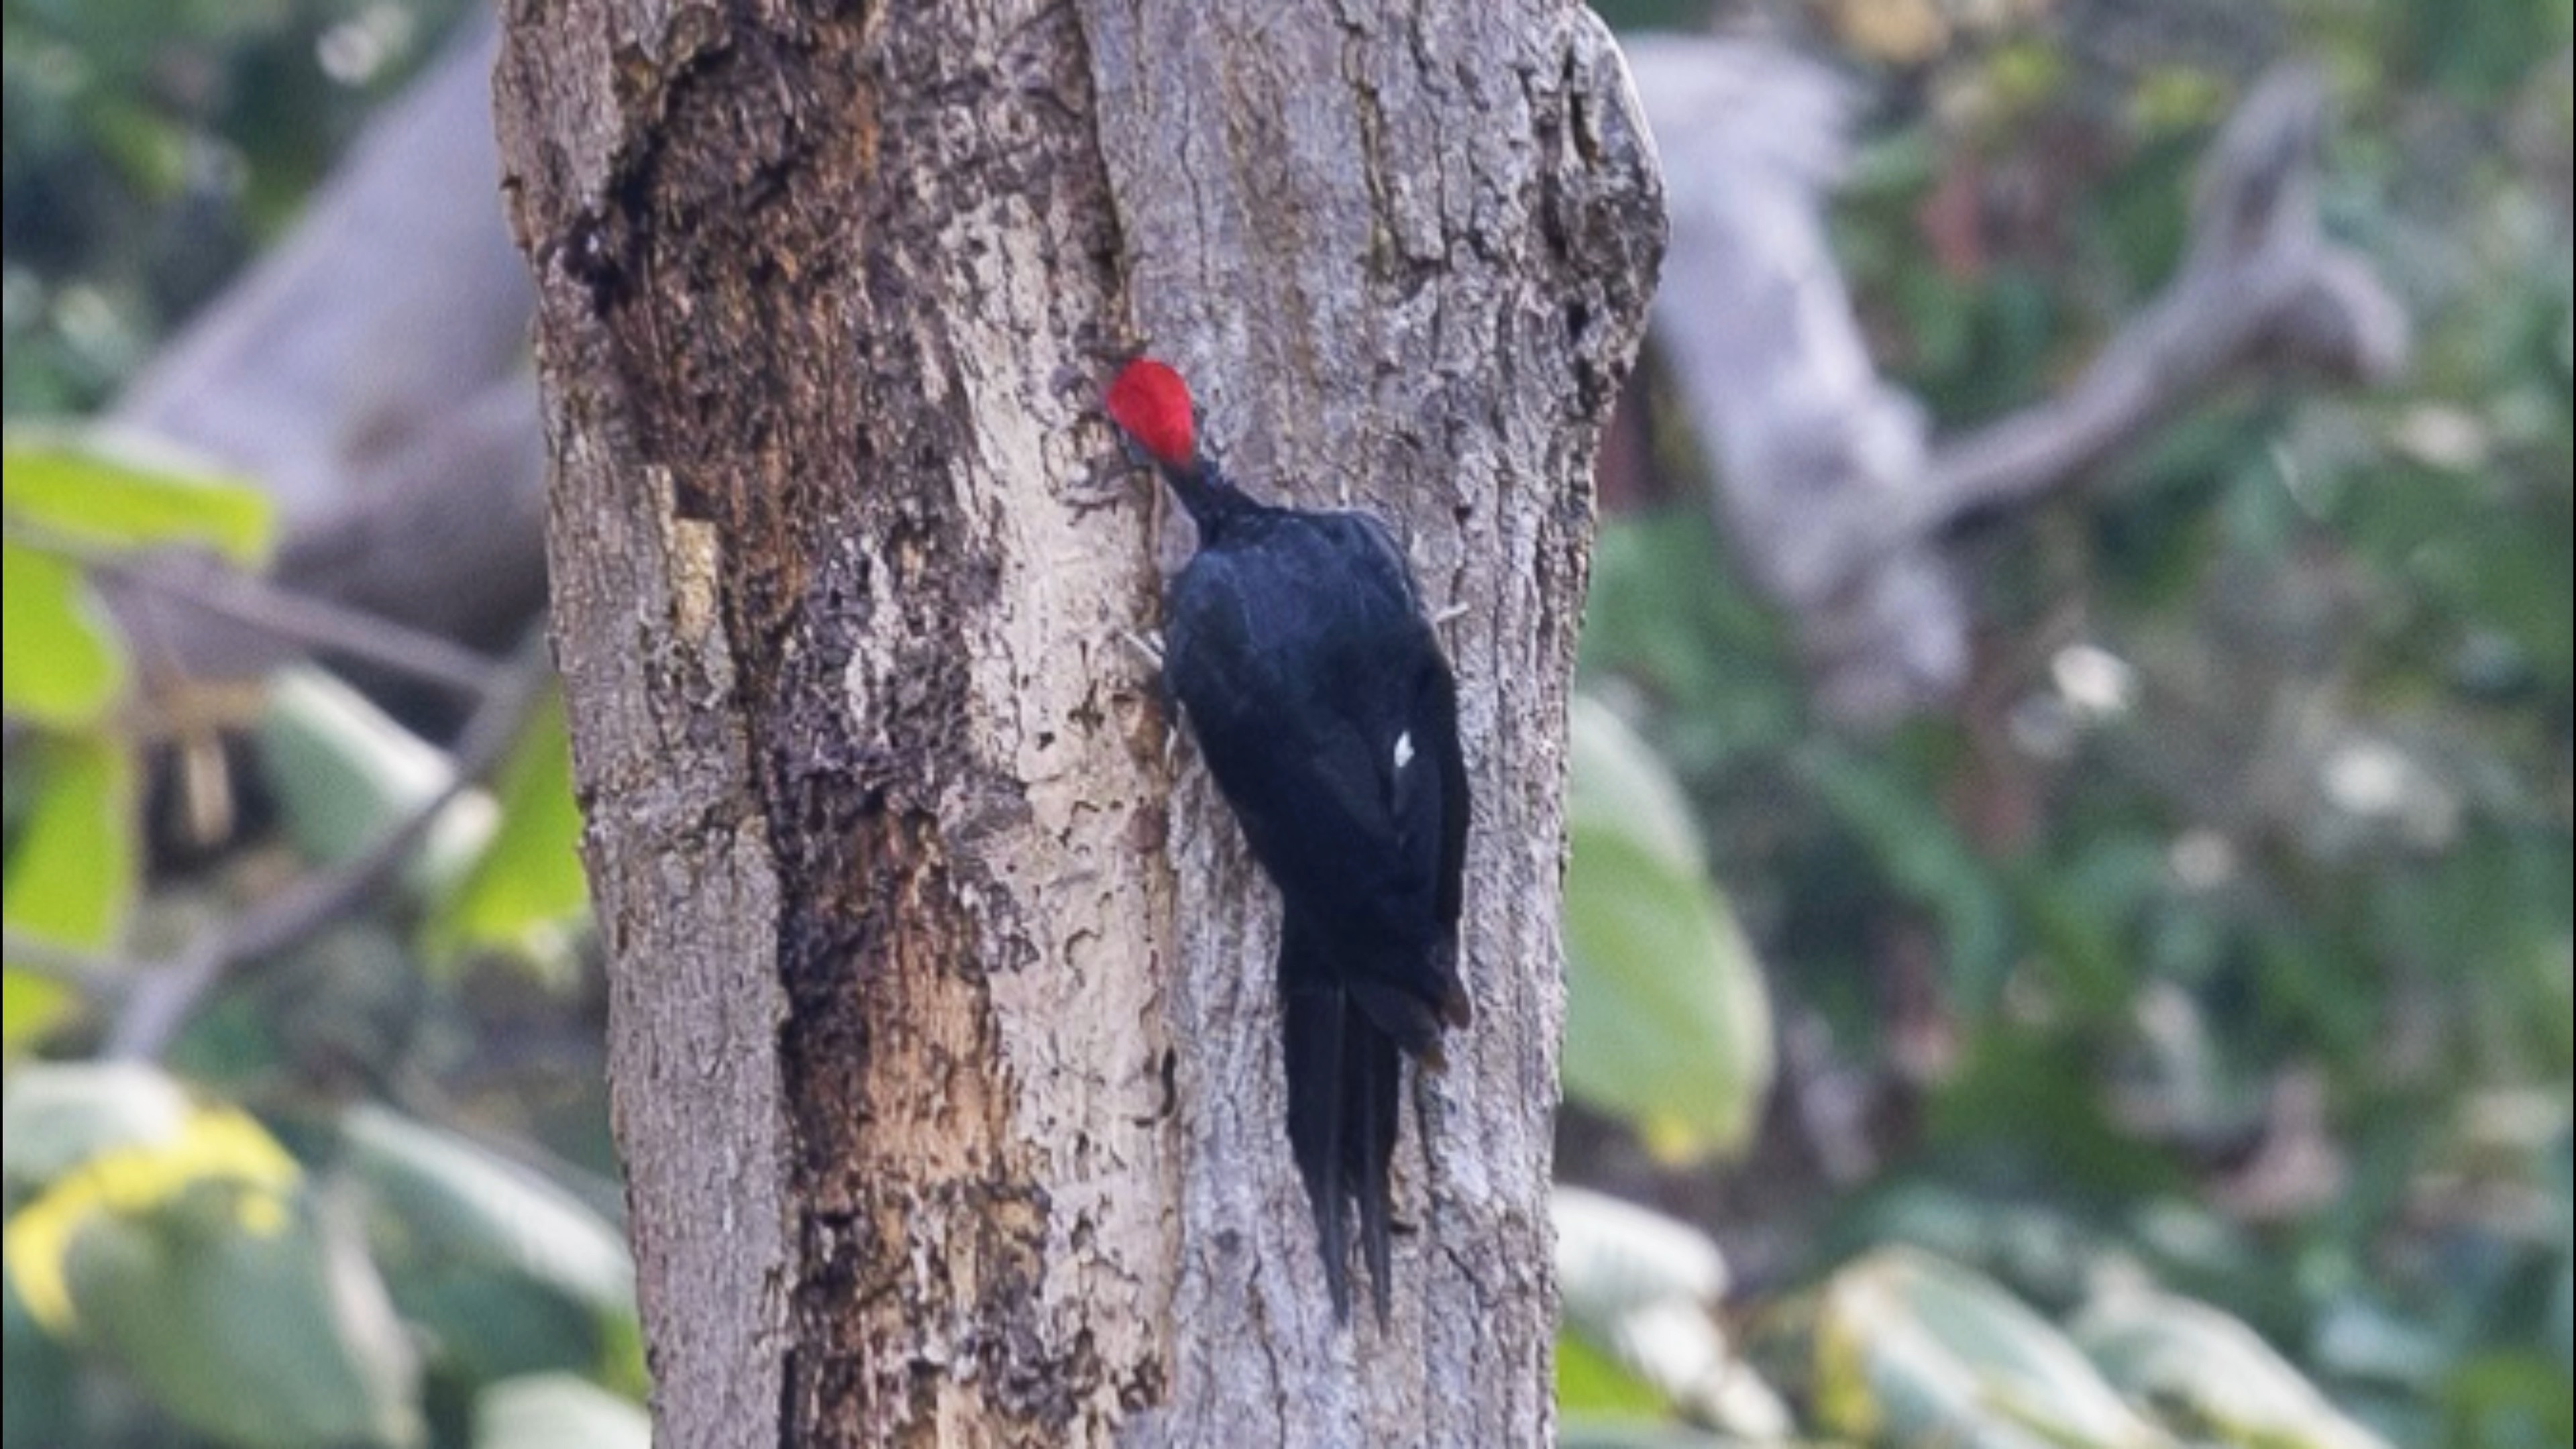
[[1403, 751]]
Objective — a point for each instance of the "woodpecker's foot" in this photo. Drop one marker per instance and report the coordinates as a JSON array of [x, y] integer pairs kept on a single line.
[[1454, 611], [1107, 482], [1148, 644], [1084, 499]]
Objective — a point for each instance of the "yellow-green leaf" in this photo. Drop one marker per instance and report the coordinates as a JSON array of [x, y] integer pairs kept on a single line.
[[1668, 1023], [345, 773], [55, 1116], [42, 1404], [1590, 1385], [210, 1155], [2210, 1377], [122, 492], [60, 664], [1912, 1350], [70, 880], [264, 1337], [30, 1006], [557, 1411], [525, 897], [507, 1270]]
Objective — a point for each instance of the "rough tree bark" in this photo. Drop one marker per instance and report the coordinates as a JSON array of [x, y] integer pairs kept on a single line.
[[942, 1036]]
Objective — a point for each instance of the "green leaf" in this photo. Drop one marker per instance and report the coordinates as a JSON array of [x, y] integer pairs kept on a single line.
[[193, 1260], [557, 1411], [1911, 1350], [345, 773], [525, 896], [1589, 1384], [39, 1407], [2562, 1319], [30, 1006], [129, 493], [63, 665], [482, 1252], [2209, 1377], [1641, 1300], [1668, 1024], [70, 880], [258, 1331], [56, 1116], [1613, 1257]]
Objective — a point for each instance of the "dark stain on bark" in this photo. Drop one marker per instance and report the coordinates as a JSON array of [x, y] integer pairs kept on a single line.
[[767, 270]]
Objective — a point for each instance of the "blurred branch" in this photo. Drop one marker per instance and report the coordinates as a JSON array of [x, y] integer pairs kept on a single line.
[[97, 978], [370, 372], [1831, 491], [292, 617], [2261, 282], [165, 996]]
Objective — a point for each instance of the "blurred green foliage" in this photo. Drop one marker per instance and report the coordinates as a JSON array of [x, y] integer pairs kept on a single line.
[[147, 148], [330, 1271], [2221, 937], [1667, 1026]]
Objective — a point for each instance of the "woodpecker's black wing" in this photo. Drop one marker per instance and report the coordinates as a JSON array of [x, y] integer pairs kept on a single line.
[[1320, 699], [1297, 647]]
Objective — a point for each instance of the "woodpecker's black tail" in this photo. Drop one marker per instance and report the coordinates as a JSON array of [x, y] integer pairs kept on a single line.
[[1344, 1072]]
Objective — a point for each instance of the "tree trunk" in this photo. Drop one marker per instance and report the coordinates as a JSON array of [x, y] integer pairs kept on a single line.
[[943, 1038]]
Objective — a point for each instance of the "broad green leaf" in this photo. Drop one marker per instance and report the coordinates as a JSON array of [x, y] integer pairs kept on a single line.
[[1613, 1256], [129, 493], [2562, 1319], [2209, 1377], [345, 773], [1589, 1383], [557, 1411], [525, 896], [193, 1259], [484, 1252], [1668, 1024], [479, 1322], [38, 1408], [1914, 1351], [62, 664], [70, 879], [30, 1006], [56, 1116], [1641, 1292], [249, 1319], [217, 1161]]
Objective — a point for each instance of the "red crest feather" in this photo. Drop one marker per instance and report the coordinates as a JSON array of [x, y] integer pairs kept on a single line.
[[1151, 402]]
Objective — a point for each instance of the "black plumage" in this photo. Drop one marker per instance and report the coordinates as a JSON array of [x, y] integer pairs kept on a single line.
[[1297, 647]]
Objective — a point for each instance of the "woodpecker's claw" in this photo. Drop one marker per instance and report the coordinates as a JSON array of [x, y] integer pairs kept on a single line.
[[1084, 499], [1148, 644], [1104, 484]]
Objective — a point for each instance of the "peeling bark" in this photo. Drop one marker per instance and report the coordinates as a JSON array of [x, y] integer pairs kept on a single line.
[[943, 1042]]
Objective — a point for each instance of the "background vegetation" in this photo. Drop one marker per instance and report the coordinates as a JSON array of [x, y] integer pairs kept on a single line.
[[2170, 1043]]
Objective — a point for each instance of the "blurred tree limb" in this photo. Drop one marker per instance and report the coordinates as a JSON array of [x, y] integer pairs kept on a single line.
[[370, 372], [1831, 488], [165, 994]]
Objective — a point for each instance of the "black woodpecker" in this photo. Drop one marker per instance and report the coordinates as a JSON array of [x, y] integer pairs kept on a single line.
[[1297, 647]]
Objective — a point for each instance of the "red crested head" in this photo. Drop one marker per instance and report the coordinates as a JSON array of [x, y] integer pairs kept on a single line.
[[1152, 404]]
